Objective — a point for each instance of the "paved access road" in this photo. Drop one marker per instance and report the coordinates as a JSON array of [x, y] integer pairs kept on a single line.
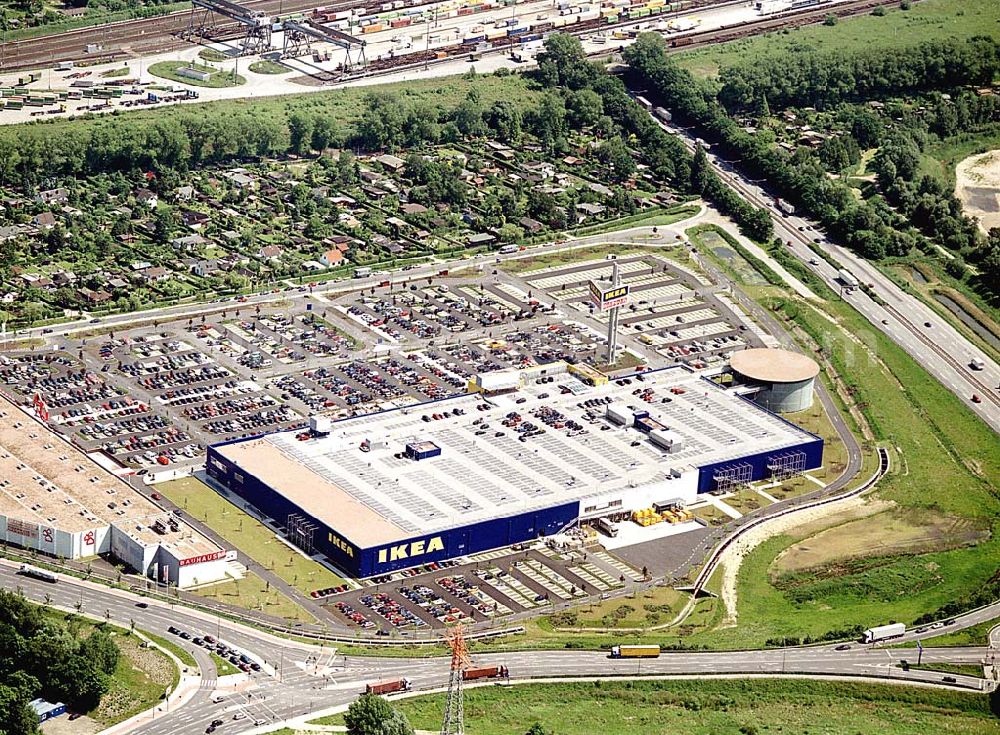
[[298, 678]]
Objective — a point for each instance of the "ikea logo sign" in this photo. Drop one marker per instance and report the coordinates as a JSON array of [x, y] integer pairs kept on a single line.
[[410, 550], [614, 293], [342, 545]]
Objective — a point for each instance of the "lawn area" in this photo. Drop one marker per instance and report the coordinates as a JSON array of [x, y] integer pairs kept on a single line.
[[964, 669], [711, 707], [170, 70], [926, 20], [661, 218], [222, 667], [253, 593], [976, 635], [249, 534], [110, 73], [522, 266], [650, 607], [746, 501], [269, 67], [183, 654], [625, 361]]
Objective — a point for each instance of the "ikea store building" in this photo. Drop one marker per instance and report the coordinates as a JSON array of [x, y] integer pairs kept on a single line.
[[447, 478]]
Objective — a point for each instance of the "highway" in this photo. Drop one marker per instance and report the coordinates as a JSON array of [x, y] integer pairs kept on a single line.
[[925, 335], [299, 678]]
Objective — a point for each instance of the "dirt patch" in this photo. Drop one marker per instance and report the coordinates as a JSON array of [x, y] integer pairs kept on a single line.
[[884, 534], [63, 726], [977, 186]]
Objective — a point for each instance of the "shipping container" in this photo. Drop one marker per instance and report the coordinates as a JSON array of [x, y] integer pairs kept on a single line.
[[485, 672]]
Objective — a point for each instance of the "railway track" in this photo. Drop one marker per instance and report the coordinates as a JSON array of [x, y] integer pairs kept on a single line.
[[681, 42], [145, 36]]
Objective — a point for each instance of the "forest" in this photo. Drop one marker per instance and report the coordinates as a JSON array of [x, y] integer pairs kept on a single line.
[[909, 210], [40, 657]]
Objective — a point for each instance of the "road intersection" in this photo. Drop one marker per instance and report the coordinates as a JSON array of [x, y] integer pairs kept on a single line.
[[298, 678]]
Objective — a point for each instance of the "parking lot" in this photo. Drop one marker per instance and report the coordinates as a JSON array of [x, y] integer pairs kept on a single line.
[[485, 587], [153, 399], [672, 309]]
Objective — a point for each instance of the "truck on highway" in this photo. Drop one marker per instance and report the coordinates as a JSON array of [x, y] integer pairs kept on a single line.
[[362, 272], [498, 671], [883, 632], [389, 687], [43, 574], [847, 278], [977, 363], [635, 652], [784, 207]]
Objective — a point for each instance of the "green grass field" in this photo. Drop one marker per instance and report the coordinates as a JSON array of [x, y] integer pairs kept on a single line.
[[949, 467], [711, 707], [222, 667], [182, 654], [269, 67], [170, 70], [926, 20], [248, 534], [253, 593]]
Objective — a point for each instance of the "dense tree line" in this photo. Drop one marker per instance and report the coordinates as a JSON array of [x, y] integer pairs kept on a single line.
[[563, 65], [822, 79], [42, 658], [873, 228]]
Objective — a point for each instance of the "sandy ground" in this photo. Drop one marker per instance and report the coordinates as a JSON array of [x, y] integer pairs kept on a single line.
[[732, 558], [977, 186]]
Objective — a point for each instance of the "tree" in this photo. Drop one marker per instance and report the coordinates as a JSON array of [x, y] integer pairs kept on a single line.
[[701, 171], [537, 729], [563, 62], [381, 124], [324, 133], [164, 224], [504, 118], [101, 650], [585, 107], [300, 131], [371, 714], [16, 715], [617, 157]]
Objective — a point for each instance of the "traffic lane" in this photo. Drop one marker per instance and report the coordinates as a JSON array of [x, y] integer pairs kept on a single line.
[[958, 381], [156, 617]]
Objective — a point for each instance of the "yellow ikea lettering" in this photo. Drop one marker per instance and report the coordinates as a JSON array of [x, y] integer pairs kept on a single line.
[[342, 545], [412, 549]]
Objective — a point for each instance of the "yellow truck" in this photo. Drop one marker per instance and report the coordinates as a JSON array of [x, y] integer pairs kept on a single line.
[[635, 652]]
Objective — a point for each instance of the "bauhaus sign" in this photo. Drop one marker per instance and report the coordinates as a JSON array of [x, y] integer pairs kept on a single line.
[[202, 558]]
